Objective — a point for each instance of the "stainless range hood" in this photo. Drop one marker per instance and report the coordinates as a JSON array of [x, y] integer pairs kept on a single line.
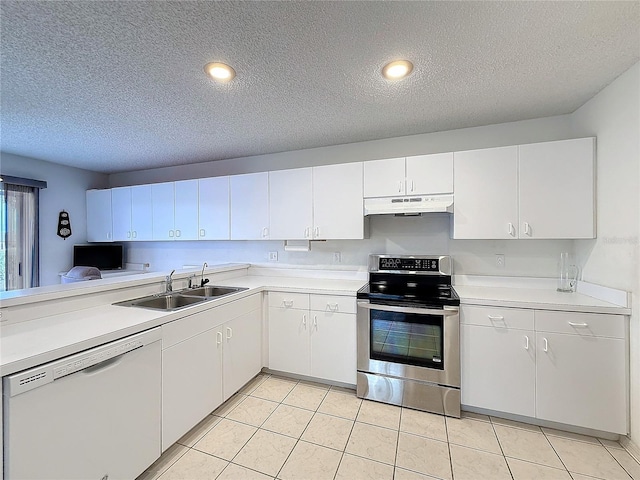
[[408, 206]]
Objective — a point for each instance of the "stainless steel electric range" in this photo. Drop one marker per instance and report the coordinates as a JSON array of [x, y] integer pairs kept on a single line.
[[409, 334]]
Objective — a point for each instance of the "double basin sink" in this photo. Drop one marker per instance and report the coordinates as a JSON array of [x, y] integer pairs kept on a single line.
[[171, 301]]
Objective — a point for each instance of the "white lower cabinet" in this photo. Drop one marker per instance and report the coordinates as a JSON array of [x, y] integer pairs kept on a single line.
[[563, 367], [242, 351], [206, 358], [581, 374], [313, 335], [498, 359], [191, 384]]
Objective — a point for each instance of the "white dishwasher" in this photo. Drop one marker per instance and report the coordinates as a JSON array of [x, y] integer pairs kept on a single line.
[[92, 415]]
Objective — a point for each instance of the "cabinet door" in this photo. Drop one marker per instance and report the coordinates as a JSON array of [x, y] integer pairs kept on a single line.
[[337, 201], [191, 384], [242, 359], [556, 183], [99, 224], [384, 178], [486, 190], [250, 206], [213, 208], [141, 213], [289, 340], [186, 210], [333, 346], [162, 204], [430, 174], [498, 369], [290, 204], [121, 213], [581, 380]]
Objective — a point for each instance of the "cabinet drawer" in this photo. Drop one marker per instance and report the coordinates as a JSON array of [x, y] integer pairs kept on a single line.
[[289, 300], [187, 327], [195, 324], [517, 318], [586, 324], [333, 303]]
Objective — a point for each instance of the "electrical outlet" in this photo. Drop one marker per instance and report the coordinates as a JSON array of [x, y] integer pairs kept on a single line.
[[337, 257], [500, 260], [273, 256]]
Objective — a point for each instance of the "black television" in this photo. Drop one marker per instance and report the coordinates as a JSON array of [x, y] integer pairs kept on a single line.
[[103, 256]]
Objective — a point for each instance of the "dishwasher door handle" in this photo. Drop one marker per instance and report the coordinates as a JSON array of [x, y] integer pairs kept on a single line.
[[98, 367]]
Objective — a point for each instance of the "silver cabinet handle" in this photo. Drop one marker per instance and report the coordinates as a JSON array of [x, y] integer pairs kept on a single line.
[[512, 230], [134, 234], [447, 312], [170, 233], [229, 333], [304, 320], [315, 321], [219, 338], [573, 324], [495, 318], [527, 229], [129, 234], [177, 233], [287, 303], [399, 186], [316, 232], [307, 232], [332, 306], [546, 345], [265, 232], [526, 342], [202, 232]]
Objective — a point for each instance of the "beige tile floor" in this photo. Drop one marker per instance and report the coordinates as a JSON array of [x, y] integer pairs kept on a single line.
[[285, 429]]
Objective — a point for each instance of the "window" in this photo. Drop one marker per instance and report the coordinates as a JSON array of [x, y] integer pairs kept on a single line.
[[19, 233]]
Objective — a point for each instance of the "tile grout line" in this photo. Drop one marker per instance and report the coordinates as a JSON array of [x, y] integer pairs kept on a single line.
[[504, 457]]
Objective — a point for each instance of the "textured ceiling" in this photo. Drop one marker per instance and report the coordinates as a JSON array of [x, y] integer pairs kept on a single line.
[[119, 86]]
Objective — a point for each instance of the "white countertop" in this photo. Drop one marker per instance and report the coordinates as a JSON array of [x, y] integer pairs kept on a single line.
[[30, 343], [539, 299], [27, 344]]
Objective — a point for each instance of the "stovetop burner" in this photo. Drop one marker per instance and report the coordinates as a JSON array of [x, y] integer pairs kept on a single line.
[[417, 280]]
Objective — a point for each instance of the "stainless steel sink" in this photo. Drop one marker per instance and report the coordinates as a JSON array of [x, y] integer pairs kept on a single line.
[[167, 302], [211, 291]]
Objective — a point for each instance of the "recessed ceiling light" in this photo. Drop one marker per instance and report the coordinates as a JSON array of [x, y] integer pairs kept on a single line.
[[220, 72], [397, 70]]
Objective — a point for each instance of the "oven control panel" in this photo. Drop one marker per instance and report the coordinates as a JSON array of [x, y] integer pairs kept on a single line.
[[410, 264], [438, 265]]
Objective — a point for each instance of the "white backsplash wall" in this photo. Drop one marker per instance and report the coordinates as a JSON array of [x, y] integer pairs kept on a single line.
[[428, 234]]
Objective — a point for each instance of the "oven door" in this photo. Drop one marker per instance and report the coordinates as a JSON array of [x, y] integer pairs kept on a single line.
[[410, 342]]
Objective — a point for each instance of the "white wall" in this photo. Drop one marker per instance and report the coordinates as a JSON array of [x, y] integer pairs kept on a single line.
[[65, 190], [613, 259]]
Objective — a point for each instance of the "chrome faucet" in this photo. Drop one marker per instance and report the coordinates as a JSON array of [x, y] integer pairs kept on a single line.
[[202, 279], [169, 281]]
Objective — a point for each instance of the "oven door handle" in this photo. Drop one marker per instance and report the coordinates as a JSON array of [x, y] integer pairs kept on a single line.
[[446, 312]]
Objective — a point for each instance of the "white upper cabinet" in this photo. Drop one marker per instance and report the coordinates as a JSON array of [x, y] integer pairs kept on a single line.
[[250, 206], [213, 208], [486, 193], [132, 213], [541, 190], [162, 210], [430, 174], [317, 203], [141, 213], [290, 204], [186, 210], [418, 175], [384, 178], [175, 210], [121, 213], [99, 222], [337, 201], [556, 186]]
